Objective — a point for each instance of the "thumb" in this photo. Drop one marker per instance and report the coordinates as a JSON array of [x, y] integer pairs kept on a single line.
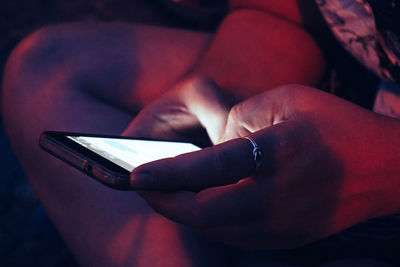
[[222, 164], [193, 102], [207, 102]]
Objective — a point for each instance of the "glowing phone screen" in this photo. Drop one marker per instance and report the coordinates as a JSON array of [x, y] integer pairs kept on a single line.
[[130, 153]]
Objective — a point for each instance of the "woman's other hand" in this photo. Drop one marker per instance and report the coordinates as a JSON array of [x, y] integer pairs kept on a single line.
[[326, 165]]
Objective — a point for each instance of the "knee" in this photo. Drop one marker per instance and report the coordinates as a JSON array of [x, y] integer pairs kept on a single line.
[[40, 58], [31, 64], [37, 54], [77, 52]]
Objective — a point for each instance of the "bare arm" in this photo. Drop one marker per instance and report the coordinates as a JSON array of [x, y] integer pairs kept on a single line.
[[263, 44]]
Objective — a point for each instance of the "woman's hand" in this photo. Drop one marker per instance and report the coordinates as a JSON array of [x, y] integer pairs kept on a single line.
[[184, 112], [326, 165]]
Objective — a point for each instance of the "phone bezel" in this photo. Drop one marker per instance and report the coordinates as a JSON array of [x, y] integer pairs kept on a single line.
[[87, 153], [78, 156], [62, 138]]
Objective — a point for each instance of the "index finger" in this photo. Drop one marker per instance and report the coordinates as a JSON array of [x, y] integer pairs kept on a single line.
[[223, 164]]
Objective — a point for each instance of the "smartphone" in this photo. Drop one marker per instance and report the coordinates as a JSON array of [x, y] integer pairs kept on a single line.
[[109, 159]]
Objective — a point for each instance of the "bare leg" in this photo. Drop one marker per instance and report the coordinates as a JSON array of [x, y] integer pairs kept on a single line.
[[92, 78]]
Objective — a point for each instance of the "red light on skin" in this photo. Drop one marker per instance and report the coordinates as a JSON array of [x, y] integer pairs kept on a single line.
[[145, 239]]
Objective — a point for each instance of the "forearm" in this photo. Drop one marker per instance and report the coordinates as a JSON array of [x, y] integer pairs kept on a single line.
[[253, 50]]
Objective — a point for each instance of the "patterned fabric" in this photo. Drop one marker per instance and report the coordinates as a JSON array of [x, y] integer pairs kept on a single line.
[[387, 17], [370, 31]]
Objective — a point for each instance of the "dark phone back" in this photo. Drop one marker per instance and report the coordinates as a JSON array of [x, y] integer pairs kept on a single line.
[[79, 161]]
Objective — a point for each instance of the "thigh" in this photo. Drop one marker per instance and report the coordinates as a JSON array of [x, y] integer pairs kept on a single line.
[[103, 227], [127, 65]]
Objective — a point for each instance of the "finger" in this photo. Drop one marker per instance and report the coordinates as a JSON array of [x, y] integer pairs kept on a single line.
[[232, 204], [218, 165], [222, 164], [166, 118], [207, 102], [193, 103], [237, 214], [176, 206], [259, 112]]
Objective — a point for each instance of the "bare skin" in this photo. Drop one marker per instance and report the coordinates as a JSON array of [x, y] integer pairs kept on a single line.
[[326, 165], [108, 221], [96, 77]]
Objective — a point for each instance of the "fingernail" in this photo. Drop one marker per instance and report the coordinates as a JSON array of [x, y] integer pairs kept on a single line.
[[141, 180]]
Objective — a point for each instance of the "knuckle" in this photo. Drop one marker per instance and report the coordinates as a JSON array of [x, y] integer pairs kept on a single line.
[[235, 114], [238, 123]]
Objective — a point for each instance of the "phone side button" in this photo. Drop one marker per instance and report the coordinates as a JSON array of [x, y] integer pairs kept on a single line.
[[84, 165]]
